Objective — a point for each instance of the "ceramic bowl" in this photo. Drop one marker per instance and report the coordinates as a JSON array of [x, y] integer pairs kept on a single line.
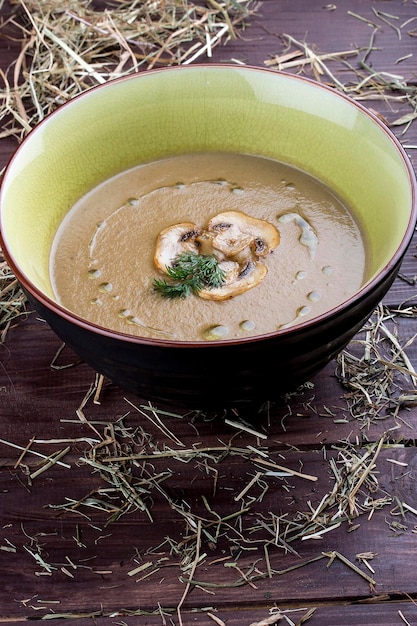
[[160, 113]]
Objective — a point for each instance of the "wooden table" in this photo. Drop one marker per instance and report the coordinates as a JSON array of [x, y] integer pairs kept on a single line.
[[168, 519]]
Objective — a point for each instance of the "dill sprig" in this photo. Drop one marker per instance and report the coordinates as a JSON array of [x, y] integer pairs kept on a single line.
[[190, 273]]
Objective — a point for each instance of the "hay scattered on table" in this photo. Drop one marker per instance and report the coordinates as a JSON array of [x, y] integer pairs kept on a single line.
[[12, 298], [136, 471], [376, 372], [360, 81], [68, 48]]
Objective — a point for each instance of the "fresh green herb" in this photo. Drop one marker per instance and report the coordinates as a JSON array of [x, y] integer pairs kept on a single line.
[[190, 273]]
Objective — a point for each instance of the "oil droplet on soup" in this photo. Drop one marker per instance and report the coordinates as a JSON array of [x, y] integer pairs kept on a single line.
[[215, 332], [94, 273], [112, 231], [248, 326], [314, 296]]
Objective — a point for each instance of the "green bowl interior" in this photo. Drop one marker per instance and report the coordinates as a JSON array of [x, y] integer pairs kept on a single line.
[[177, 110]]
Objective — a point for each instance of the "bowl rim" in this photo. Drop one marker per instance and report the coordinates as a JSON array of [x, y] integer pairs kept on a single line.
[[298, 327]]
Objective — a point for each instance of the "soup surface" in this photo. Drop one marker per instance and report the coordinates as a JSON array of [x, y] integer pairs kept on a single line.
[[103, 256]]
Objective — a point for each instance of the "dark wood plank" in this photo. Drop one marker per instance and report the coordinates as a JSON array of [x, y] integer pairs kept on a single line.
[[348, 26], [383, 614], [79, 551]]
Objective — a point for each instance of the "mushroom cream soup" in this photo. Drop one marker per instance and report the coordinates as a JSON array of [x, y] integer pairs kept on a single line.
[[282, 247]]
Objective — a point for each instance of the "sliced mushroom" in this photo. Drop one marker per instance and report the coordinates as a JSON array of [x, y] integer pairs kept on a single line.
[[238, 241], [238, 279], [228, 237], [233, 231], [175, 240]]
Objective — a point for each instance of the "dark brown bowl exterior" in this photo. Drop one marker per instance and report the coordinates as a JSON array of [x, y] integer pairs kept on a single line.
[[204, 376]]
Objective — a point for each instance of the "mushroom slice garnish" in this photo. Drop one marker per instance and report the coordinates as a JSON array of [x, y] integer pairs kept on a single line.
[[233, 231], [238, 279], [175, 240], [228, 237], [235, 240]]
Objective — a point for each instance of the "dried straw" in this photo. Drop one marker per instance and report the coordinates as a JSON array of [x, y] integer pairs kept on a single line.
[[12, 299], [68, 48], [361, 81], [136, 471], [376, 371]]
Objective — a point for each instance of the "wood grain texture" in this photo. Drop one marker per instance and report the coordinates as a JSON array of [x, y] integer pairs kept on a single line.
[[57, 561]]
